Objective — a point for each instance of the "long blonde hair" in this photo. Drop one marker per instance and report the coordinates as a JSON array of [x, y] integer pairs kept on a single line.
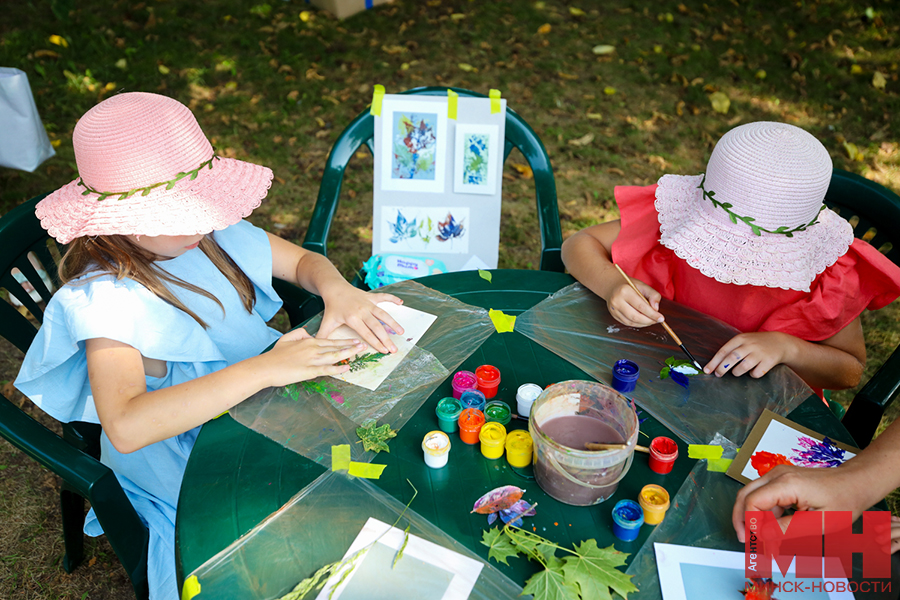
[[119, 256]]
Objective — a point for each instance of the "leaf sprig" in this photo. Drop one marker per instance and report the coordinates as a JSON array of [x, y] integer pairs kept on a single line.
[[588, 572], [375, 438], [749, 221], [146, 190]]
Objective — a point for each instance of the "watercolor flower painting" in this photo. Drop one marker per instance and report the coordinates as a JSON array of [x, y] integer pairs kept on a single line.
[[415, 146]]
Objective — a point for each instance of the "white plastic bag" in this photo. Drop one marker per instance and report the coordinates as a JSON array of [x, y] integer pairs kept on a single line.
[[24, 144]]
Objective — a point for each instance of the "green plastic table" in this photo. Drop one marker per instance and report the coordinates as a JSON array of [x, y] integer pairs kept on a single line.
[[236, 477]]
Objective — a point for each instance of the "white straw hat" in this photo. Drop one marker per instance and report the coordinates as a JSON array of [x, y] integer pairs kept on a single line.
[[757, 216]]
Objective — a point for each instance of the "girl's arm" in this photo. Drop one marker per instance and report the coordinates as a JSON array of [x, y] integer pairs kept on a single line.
[[344, 304], [588, 257], [835, 364], [134, 418]]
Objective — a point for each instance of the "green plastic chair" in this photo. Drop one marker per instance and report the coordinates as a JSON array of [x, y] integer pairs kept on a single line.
[[518, 135], [75, 456], [874, 212]]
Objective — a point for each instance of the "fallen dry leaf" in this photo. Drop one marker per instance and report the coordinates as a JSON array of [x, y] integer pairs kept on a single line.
[[615, 171], [395, 49], [878, 80], [59, 41], [544, 29], [855, 69], [467, 68], [566, 75], [720, 102], [576, 12], [609, 90], [582, 141], [524, 171], [594, 116], [853, 152], [658, 161], [45, 54], [602, 49]]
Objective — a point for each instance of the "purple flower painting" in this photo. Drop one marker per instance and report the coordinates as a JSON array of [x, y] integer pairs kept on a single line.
[[817, 454]]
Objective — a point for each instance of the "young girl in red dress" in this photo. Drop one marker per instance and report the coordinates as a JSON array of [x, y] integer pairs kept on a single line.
[[751, 243]]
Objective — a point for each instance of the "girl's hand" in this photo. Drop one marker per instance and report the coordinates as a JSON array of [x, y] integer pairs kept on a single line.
[[298, 356], [357, 309], [628, 308], [754, 353]]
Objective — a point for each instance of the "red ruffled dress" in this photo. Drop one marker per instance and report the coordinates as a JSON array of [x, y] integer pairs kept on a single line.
[[862, 278]]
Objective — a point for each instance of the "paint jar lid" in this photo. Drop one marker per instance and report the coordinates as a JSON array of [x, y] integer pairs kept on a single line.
[[449, 409], [493, 434], [664, 449], [436, 443], [464, 380], [519, 440], [528, 392], [497, 410], [472, 399]]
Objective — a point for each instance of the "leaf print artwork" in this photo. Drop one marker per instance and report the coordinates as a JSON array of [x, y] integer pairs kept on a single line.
[[401, 229], [415, 229], [475, 159], [478, 159], [415, 142], [449, 228]]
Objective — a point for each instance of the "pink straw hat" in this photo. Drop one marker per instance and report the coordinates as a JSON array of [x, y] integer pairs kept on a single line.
[[756, 217], [146, 168]]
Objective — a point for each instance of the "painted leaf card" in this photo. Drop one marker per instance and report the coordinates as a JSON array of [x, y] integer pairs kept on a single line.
[[430, 229], [477, 159], [775, 440], [370, 368], [413, 146]]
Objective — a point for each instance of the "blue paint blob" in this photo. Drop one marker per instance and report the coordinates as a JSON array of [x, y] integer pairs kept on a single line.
[[680, 378]]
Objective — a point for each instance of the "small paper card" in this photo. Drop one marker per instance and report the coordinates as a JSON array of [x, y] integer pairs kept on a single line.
[[775, 441], [370, 368], [687, 573], [424, 570]]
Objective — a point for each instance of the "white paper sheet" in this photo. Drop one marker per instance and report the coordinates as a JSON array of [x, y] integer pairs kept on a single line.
[[414, 322]]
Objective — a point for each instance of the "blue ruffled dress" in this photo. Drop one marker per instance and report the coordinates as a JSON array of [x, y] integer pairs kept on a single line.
[[54, 374]]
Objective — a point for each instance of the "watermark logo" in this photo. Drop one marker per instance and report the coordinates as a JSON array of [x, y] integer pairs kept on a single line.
[[814, 535]]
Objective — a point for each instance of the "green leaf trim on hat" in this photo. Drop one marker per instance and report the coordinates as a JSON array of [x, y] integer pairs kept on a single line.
[[757, 230], [146, 190]]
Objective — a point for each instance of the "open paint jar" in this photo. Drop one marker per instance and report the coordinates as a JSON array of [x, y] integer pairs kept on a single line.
[[470, 423], [462, 381], [654, 500], [488, 380], [564, 418], [525, 397], [663, 452], [519, 448], [472, 399], [436, 447], [625, 375], [447, 412], [492, 436], [497, 411], [627, 520]]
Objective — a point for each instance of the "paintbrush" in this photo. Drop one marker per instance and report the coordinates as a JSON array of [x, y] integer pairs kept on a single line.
[[598, 446], [664, 324]]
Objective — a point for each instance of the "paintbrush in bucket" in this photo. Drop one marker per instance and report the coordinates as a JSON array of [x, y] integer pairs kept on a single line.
[[664, 324]]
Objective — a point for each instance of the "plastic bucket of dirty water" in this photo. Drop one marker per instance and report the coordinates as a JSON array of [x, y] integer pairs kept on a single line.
[[564, 418]]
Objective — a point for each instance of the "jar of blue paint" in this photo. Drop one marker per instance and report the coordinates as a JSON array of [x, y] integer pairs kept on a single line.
[[472, 399], [628, 516], [625, 375]]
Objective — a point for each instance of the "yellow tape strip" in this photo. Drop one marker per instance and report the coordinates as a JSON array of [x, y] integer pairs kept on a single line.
[[191, 588], [495, 101], [702, 451], [503, 322], [340, 457], [367, 470], [452, 104], [718, 465], [377, 98]]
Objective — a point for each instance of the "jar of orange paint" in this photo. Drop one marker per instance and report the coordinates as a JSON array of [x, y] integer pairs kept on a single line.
[[470, 422]]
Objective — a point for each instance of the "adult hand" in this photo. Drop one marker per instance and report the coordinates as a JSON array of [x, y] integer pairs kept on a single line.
[[357, 309], [754, 353], [297, 356], [806, 489], [627, 307]]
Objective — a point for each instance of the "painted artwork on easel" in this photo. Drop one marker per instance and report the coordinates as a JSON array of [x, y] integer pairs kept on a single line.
[[443, 230], [415, 146], [476, 159]]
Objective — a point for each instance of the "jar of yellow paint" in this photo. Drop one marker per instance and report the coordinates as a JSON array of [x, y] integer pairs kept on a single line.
[[519, 448], [654, 499], [492, 437]]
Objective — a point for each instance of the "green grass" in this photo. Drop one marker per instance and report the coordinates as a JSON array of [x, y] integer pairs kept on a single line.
[[278, 90]]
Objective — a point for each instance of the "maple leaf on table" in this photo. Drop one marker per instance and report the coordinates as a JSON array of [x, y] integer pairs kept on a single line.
[[551, 584], [594, 570], [500, 546], [760, 589]]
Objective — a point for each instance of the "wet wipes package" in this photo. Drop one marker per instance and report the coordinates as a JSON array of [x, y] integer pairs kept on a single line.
[[385, 269]]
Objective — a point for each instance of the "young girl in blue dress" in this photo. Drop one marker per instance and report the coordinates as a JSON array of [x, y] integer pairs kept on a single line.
[[161, 321]]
